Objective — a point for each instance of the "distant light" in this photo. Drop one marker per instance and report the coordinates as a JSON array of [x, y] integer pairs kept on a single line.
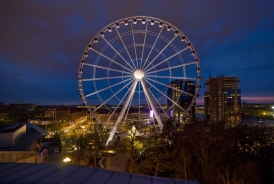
[[67, 159], [151, 114], [171, 114], [272, 107], [110, 151]]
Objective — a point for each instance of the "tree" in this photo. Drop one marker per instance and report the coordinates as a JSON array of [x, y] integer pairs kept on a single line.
[[208, 153], [131, 145], [95, 140], [159, 153], [90, 143], [157, 158]]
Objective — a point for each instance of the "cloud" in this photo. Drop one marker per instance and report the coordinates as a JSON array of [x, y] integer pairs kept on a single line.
[[42, 41]]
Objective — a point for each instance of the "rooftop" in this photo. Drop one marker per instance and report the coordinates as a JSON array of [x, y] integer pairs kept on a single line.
[[10, 127], [48, 173]]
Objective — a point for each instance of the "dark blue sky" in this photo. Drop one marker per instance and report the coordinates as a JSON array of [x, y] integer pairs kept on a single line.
[[41, 43]]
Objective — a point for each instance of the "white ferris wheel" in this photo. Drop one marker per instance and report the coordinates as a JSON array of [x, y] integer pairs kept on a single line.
[[127, 71]]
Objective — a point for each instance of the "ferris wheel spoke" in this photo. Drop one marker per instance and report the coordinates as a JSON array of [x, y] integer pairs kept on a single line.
[[112, 96], [106, 78], [125, 47], [102, 67], [99, 53], [169, 58], [155, 99], [149, 107], [175, 103], [169, 68], [118, 104], [143, 45], [134, 44], [139, 101], [118, 53], [97, 119], [160, 52], [122, 111], [101, 90], [152, 105], [128, 108], [171, 77], [152, 47], [169, 86]]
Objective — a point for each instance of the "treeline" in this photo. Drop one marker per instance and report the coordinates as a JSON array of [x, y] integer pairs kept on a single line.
[[208, 153]]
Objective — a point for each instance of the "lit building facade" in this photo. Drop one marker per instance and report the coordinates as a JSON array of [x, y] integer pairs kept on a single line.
[[222, 99], [181, 99], [58, 113]]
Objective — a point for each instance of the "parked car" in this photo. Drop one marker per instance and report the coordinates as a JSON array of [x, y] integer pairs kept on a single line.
[[56, 150]]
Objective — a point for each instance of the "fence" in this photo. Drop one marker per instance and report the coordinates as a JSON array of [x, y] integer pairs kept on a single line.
[[21, 156]]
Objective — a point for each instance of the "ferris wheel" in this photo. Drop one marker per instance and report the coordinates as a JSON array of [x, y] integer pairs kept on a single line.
[[128, 71]]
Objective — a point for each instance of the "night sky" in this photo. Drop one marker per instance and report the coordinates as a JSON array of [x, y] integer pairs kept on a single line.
[[42, 42]]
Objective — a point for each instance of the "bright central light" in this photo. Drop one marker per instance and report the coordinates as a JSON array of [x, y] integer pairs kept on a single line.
[[139, 74], [67, 159]]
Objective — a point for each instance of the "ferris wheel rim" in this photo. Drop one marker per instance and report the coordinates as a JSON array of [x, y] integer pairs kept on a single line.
[[146, 71]]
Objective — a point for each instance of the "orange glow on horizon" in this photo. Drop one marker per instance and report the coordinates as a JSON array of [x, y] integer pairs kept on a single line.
[[255, 99], [248, 99]]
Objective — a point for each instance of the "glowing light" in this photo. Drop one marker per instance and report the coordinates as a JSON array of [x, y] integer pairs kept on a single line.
[[67, 159], [151, 114], [139, 74]]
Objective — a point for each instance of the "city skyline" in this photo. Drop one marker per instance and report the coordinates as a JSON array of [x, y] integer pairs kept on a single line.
[[42, 44]]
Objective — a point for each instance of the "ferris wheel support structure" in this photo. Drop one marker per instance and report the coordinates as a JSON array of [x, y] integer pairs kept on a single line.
[[122, 113]]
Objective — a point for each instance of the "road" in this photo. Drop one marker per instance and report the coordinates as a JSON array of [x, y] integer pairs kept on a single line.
[[57, 158], [116, 162]]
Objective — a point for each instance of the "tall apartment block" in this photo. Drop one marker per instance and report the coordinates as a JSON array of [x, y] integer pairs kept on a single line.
[[222, 99], [181, 99]]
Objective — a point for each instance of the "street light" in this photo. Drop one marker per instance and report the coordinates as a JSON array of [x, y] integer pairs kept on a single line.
[[67, 159]]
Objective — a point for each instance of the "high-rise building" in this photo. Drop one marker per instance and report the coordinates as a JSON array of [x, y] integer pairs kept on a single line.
[[182, 99], [222, 99]]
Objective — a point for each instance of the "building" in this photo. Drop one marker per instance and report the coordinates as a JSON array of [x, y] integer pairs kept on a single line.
[[50, 173], [27, 107], [2, 105], [58, 113], [11, 134], [182, 99], [77, 113], [20, 137], [222, 99], [16, 112], [21, 142]]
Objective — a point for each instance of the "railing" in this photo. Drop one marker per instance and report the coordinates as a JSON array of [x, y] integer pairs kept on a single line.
[[21, 156]]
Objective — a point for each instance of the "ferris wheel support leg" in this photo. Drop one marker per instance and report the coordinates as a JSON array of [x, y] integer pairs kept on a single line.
[[160, 123], [121, 115]]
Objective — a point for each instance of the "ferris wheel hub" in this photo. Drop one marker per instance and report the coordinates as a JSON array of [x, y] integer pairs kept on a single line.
[[139, 74]]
